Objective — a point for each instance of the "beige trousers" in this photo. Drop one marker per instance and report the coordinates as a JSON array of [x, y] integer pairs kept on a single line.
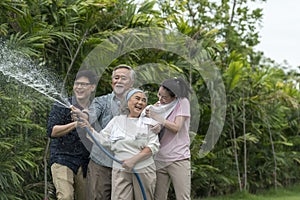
[[125, 185], [179, 172], [67, 184], [99, 182]]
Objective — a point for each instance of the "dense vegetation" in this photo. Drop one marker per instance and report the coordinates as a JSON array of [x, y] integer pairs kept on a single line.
[[259, 145]]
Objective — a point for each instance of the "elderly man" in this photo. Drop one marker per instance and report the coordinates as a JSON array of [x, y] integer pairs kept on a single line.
[[102, 110]]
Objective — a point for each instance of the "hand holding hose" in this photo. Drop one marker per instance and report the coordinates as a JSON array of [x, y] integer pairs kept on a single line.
[[77, 113], [82, 122], [129, 164]]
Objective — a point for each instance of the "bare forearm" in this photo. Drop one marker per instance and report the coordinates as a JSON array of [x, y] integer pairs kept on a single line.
[[61, 130], [130, 163], [171, 126], [176, 125], [143, 155]]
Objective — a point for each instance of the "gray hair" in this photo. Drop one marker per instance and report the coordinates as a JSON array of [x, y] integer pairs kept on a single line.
[[132, 72], [124, 105]]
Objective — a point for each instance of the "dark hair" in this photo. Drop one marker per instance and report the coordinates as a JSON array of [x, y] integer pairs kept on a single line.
[[88, 74], [176, 87]]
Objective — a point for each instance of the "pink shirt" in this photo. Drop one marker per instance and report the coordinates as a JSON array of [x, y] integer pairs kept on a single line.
[[176, 146]]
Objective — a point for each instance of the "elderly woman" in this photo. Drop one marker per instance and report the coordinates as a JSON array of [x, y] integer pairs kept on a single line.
[[133, 143]]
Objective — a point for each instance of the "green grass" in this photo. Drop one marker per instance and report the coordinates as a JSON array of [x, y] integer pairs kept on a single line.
[[290, 193]]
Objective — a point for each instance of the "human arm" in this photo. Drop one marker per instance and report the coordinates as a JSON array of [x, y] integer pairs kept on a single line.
[[61, 130], [156, 128], [172, 126], [97, 108], [151, 148], [175, 126], [94, 111], [101, 137], [60, 122], [79, 114], [59, 116], [131, 162], [181, 113]]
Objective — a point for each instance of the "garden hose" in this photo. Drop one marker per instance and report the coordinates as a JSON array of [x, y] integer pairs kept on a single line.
[[118, 161]]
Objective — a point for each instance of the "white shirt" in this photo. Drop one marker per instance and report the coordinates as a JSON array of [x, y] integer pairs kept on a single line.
[[127, 137]]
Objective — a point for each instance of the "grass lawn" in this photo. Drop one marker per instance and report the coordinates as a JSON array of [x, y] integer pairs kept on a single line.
[[290, 193]]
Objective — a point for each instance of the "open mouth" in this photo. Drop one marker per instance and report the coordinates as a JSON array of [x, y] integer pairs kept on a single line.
[[79, 93], [139, 108], [119, 85]]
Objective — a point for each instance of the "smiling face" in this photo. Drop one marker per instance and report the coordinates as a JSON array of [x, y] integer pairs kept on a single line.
[[121, 81], [136, 104], [83, 88], [164, 96]]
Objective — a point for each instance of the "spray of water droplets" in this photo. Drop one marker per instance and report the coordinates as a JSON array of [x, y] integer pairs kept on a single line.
[[15, 65]]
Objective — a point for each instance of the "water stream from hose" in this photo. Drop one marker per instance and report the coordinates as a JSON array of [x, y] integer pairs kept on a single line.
[[19, 68], [16, 66]]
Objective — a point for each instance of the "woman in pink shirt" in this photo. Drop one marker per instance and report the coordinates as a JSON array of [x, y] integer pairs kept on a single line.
[[173, 158]]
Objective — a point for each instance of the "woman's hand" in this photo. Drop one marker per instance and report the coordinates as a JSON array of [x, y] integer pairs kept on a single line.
[[156, 128], [129, 163], [152, 114]]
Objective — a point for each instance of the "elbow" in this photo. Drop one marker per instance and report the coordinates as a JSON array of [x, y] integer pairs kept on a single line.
[[174, 129], [51, 133], [55, 132]]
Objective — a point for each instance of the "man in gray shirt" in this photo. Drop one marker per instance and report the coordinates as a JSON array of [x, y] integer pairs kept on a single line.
[[102, 110]]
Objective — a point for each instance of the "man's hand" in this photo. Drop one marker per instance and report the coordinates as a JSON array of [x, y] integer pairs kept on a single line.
[[77, 113]]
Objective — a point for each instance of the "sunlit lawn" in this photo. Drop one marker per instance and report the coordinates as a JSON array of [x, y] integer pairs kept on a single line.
[[291, 193]]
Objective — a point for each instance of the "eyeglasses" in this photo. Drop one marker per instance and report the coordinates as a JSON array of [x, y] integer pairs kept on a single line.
[[166, 98], [82, 84]]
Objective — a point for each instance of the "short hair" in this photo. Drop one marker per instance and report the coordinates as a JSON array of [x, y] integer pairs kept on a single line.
[[88, 74], [132, 72]]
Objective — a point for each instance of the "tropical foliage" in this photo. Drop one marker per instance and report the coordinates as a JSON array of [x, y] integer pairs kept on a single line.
[[258, 148]]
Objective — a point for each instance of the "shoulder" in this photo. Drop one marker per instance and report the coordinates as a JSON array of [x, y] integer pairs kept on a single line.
[[183, 107], [117, 120], [103, 97], [184, 101], [102, 100], [58, 107], [119, 117]]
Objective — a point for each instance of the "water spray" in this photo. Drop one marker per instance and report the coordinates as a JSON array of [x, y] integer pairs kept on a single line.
[[24, 71]]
